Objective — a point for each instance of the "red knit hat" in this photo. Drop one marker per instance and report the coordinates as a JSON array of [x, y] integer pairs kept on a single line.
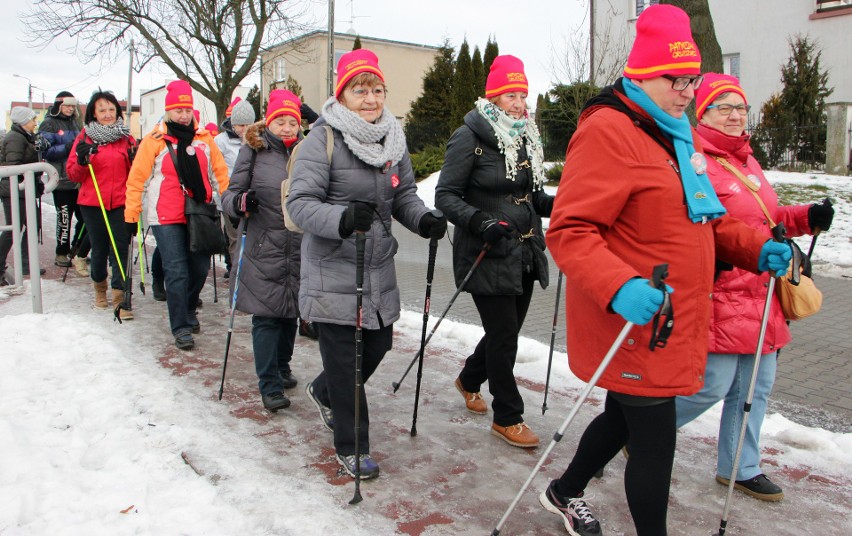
[[283, 102], [230, 107], [178, 95], [354, 63], [663, 45], [714, 85], [211, 127], [507, 74]]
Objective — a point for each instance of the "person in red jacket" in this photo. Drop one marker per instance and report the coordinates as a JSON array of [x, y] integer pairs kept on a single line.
[[739, 296], [105, 143], [634, 195]]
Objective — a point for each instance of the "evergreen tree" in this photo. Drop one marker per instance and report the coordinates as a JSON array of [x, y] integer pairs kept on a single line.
[[293, 86], [479, 74], [491, 52], [428, 122], [465, 91], [357, 44], [253, 98], [557, 114]]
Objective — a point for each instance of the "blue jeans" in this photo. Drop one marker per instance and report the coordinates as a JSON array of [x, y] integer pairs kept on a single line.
[[185, 273], [728, 377], [273, 340]]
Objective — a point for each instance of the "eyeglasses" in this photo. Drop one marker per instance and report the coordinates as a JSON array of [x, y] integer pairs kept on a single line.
[[361, 93], [728, 109], [679, 83]]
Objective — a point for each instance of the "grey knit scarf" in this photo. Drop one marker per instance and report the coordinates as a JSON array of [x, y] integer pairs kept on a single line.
[[104, 134], [373, 143]]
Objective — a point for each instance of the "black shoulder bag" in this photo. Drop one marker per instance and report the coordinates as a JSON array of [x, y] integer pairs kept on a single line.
[[202, 219]]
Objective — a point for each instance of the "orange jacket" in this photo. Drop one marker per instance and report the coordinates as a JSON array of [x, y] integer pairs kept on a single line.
[[153, 175], [619, 211]]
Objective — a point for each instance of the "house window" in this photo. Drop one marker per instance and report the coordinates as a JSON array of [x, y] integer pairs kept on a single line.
[[279, 69], [642, 4], [829, 5], [732, 64], [337, 55]]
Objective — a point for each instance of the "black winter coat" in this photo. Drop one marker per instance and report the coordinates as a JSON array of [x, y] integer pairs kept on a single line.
[[17, 148], [60, 130], [470, 183]]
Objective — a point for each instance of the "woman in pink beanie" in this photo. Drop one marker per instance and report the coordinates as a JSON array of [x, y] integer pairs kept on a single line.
[[492, 188]]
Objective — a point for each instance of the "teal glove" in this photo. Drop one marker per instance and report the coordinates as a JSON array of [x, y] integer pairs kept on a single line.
[[637, 301], [775, 257]]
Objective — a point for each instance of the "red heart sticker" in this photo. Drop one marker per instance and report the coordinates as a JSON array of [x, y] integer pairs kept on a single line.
[[61, 132], [394, 180]]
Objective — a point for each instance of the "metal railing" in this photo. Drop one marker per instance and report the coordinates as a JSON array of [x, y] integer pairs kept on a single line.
[[28, 186]]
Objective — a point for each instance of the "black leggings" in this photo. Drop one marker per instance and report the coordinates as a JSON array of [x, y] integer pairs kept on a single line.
[[649, 433]]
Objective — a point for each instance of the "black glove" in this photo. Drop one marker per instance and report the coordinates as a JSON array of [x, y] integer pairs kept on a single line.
[[234, 221], [132, 227], [84, 152], [246, 202], [357, 217], [821, 216], [131, 152], [433, 225], [490, 230]]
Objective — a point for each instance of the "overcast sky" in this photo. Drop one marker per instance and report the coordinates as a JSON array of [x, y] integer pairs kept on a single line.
[[529, 30]]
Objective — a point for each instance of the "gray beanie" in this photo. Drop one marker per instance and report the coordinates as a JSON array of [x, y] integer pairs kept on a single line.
[[242, 113], [21, 115]]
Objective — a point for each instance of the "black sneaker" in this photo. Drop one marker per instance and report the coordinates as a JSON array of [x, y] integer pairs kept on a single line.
[[196, 328], [307, 329], [325, 411], [275, 401], [159, 288], [578, 519], [288, 381], [759, 487], [368, 467], [184, 340]]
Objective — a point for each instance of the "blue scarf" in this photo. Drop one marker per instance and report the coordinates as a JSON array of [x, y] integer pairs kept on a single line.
[[701, 200]]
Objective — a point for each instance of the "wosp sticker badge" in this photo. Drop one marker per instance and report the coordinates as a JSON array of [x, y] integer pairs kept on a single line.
[[394, 180]]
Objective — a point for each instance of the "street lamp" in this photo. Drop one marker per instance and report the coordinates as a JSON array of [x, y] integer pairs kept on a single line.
[[29, 89]]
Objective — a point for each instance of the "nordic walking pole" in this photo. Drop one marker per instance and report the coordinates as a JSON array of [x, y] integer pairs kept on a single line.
[[74, 250], [242, 230], [430, 274], [360, 240], [778, 233], [106, 221], [552, 342], [141, 271], [128, 286], [478, 260], [817, 230], [660, 273], [215, 292], [145, 249]]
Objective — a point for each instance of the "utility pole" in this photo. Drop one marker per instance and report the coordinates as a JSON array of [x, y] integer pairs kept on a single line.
[[592, 42], [331, 47], [130, 87], [29, 89]]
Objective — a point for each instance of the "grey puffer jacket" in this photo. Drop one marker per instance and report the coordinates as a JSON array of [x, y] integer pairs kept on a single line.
[[319, 195], [269, 276], [470, 183], [17, 148]]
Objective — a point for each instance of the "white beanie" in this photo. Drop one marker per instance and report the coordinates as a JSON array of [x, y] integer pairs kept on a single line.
[[242, 113], [21, 115]]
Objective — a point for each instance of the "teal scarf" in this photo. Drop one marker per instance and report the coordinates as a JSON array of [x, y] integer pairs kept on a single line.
[[701, 200]]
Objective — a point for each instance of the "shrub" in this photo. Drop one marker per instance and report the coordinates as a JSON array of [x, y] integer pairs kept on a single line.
[[428, 161], [554, 174]]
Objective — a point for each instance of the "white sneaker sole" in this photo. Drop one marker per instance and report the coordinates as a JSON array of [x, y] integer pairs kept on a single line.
[[545, 502]]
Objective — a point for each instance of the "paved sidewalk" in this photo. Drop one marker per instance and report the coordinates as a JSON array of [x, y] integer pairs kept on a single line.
[[814, 378]]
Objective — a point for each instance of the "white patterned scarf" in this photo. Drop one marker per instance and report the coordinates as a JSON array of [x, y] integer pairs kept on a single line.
[[373, 143], [104, 134], [511, 133]]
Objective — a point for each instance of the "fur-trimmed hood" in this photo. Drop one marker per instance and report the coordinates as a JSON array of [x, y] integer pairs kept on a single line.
[[256, 139]]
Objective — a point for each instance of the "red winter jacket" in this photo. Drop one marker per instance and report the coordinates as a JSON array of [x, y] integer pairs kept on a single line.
[[738, 295], [111, 165], [619, 211]]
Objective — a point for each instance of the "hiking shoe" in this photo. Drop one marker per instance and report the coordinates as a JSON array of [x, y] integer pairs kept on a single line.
[[574, 512], [325, 411], [369, 468], [288, 381], [184, 340], [759, 487], [307, 329], [159, 288], [473, 401], [196, 328], [517, 435], [275, 401], [62, 260]]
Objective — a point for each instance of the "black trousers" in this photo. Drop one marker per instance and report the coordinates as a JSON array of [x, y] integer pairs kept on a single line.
[[65, 202], [335, 385], [649, 433], [494, 357]]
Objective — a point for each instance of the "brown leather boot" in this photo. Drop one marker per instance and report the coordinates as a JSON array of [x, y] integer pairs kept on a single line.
[[117, 299], [473, 401], [518, 435], [100, 295]]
